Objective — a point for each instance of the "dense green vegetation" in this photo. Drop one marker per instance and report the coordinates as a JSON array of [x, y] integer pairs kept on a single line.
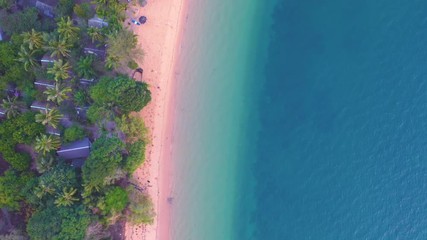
[[54, 92]]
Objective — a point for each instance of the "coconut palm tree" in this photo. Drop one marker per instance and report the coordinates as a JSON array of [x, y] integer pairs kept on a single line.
[[60, 70], [67, 31], [66, 198], [49, 117], [11, 107], [95, 34], [59, 48], [116, 11], [34, 39], [41, 190], [57, 94], [45, 163], [84, 67], [26, 56], [112, 62], [100, 2], [45, 143]]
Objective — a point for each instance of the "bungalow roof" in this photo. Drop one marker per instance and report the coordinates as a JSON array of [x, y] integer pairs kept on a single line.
[[40, 106], [47, 7], [97, 22], [75, 150], [53, 131], [47, 60], [44, 83]]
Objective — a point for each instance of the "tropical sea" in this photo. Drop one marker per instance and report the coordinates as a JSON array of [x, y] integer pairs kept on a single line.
[[302, 119]]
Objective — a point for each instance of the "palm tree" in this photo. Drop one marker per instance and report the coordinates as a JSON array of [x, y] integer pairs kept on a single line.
[[34, 39], [41, 190], [49, 117], [59, 48], [57, 94], [100, 2], [66, 198], [116, 10], [45, 163], [60, 70], [67, 31], [11, 107], [45, 143], [95, 34], [84, 67], [26, 56], [112, 62]]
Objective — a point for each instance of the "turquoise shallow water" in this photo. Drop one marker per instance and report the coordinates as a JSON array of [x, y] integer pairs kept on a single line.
[[215, 103], [302, 119]]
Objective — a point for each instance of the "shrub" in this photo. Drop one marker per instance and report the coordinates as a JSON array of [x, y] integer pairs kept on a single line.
[[132, 65], [141, 208], [19, 161], [74, 133], [115, 201]]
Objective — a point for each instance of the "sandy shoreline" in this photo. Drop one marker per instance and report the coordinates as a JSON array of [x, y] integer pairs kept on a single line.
[[160, 38]]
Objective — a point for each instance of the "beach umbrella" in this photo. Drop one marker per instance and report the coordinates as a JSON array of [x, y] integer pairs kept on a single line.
[[143, 19]]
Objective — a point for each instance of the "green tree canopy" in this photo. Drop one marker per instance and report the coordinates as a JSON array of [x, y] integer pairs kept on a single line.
[[123, 92], [68, 223], [51, 185], [104, 159], [19, 22], [7, 57], [11, 184], [83, 10], [65, 8], [115, 200], [135, 156], [21, 129]]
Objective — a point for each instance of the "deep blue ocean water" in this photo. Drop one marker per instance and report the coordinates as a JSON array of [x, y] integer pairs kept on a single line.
[[342, 142]]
